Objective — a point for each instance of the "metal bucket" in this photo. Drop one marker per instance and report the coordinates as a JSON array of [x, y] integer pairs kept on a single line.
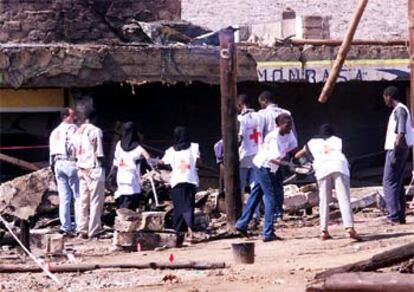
[[243, 253]]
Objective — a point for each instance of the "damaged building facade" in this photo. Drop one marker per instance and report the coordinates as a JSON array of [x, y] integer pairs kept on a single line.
[[144, 61]]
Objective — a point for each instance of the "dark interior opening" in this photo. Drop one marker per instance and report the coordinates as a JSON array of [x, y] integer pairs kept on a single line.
[[356, 110]]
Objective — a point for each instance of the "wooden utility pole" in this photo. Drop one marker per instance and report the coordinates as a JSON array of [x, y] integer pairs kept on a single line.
[[342, 52], [228, 89], [411, 53]]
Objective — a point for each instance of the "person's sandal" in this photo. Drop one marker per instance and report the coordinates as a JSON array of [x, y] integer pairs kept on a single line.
[[325, 235], [351, 233]]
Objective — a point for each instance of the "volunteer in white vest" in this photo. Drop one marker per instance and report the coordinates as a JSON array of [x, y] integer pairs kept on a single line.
[[89, 154], [250, 137], [183, 157], [270, 110], [332, 172], [268, 184], [399, 139], [127, 163], [62, 162]]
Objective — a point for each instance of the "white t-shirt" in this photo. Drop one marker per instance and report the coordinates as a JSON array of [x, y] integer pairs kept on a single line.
[[328, 157], [128, 176], [250, 130], [60, 140], [269, 114], [391, 129], [183, 164], [88, 146], [275, 146]]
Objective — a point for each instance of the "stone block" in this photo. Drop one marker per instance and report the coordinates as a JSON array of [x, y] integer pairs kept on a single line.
[[125, 239], [127, 215], [201, 220], [153, 221], [152, 240], [126, 226], [54, 243]]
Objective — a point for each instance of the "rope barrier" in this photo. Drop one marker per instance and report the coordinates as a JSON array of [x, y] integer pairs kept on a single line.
[[34, 258]]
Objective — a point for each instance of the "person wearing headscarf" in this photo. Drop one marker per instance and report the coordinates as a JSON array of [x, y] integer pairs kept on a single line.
[[127, 162], [183, 157], [332, 172]]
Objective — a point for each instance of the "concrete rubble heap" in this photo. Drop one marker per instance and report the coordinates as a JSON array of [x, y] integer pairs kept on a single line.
[[33, 197]]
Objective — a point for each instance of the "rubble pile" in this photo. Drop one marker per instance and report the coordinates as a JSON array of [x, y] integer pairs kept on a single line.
[[33, 197]]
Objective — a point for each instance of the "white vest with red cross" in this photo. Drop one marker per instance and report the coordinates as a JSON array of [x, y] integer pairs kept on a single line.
[[250, 130], [183, 164]]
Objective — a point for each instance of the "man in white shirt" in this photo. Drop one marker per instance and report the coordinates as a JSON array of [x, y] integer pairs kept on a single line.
[[268, 179], [63, 165], [270, 110], [250, 137], [398, 141], [89, 154]]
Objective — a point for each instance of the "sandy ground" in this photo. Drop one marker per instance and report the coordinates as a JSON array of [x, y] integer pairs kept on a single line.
[[286, 265]]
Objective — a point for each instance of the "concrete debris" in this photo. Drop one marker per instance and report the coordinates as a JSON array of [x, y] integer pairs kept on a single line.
[[201, 220], [28, 195], [152, 240], [153, 221], [54, 243]]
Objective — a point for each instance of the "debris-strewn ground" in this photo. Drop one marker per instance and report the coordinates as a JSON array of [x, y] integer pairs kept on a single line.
[[286, 265]]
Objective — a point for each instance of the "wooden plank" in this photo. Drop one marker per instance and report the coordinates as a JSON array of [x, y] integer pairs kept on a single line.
[[343, 51], [366, 282], [378, 261], [19, 162], [84, 267]]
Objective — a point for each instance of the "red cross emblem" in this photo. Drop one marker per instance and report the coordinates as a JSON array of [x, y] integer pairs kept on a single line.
[[184, 166], [255, 136], [122, 163], [327, 149]]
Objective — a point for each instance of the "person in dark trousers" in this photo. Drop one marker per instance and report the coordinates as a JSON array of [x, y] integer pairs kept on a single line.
[[183, 157], [268, 182], [127, 164], [219, 154], [399, 139]]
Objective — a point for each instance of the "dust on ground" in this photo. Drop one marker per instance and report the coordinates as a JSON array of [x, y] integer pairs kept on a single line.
[[286, 265]]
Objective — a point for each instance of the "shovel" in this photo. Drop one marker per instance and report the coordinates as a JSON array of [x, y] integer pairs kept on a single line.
[[154, 191]]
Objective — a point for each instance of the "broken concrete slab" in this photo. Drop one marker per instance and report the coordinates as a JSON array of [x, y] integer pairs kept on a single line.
[[127, 215], [295, 202], [125, 239], [22, 196], [201, 220], [54, 243], [126, 226], [152, 240], [153, 221], [369, 200]]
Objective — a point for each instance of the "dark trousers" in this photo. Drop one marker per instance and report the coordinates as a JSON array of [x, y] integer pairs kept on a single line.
[[183, 196], [393, 183], [267, 186]]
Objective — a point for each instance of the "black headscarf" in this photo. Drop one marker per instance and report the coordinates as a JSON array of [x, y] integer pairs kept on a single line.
[[181, 139], [325, 131], [129, 139]]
